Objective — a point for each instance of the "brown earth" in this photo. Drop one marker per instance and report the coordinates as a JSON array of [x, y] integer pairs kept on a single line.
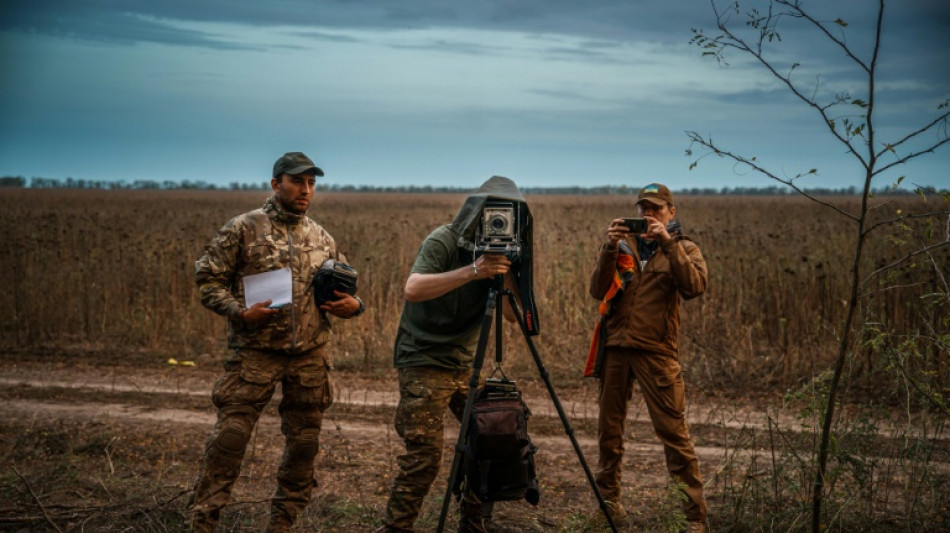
[[105, 443]]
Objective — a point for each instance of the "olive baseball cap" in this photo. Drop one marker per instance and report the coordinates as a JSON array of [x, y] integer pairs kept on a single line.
[[655, 193], [295, 163]]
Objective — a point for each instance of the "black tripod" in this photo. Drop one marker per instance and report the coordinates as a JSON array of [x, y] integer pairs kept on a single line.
[[493, 311]]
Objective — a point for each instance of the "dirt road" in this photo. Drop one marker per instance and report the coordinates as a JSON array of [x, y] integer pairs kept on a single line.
[[149, 418]]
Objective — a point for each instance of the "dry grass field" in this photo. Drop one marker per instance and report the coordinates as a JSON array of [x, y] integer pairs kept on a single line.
[[99, 294], [112, 271]]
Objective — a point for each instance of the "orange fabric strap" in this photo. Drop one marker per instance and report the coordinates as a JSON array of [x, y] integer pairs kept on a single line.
[[625, 264]]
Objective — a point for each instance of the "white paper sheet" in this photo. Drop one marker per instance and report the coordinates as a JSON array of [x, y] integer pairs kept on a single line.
[[276, 285]]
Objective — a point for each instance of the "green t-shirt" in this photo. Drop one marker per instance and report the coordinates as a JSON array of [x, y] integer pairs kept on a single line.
[[442, 331]]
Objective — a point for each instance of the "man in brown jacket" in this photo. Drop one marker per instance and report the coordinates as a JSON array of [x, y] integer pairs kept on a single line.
[[640, 280]]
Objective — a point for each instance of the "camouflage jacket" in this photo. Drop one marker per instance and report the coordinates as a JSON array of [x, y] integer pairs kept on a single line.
[[262, 240]]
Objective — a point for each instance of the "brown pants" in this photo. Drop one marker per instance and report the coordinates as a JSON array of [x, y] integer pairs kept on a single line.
[[661, 382], [240, 395]]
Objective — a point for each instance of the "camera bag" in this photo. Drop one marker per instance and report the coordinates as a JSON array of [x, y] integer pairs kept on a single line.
[[333, 275], [498, 462]]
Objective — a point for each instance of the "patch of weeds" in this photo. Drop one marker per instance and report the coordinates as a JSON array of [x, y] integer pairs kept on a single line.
[[669, 516], [580, 522], [335, 512]]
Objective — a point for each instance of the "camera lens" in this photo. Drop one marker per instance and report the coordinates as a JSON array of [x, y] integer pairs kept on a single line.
[[498, 222]]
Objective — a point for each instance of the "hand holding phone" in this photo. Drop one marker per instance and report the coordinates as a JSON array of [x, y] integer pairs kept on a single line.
[[637, 225]]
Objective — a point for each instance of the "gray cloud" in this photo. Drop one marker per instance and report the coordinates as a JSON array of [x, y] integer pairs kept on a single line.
[[134, 20], [454, 46], [327, 37], [604, 20], [779, 96], [109, 26], [171, 107]]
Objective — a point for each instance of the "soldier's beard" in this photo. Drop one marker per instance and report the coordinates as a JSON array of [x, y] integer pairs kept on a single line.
[[292, 207]]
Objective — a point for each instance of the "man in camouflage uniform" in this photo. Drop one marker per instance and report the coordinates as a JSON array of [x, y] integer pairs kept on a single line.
[[446, 294], [283, 345]]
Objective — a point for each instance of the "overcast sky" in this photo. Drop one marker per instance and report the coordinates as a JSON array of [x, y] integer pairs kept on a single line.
[[438, 92]]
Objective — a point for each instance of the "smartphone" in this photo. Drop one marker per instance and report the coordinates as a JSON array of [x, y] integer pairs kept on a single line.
[[636, 225]]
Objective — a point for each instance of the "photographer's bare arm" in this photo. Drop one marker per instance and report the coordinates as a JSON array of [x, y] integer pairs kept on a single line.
[[421, 287]]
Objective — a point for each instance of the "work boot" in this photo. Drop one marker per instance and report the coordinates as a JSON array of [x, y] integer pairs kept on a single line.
[[197, 522], [474, 515], [389, 528], [617, 513], [472, 524], [199, 528], [279, 523], [696, 527]]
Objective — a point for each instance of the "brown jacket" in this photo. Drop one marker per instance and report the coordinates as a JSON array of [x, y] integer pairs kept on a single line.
[[646, 315]]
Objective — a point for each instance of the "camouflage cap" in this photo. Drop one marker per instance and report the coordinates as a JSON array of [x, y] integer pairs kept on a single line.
[[655, 193], [295, 163]]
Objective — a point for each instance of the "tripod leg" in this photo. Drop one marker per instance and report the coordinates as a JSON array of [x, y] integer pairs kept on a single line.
[[493, 300], [543, 372], [498, 329]]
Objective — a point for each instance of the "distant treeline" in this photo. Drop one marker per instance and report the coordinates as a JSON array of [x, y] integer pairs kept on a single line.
[[70, 183]]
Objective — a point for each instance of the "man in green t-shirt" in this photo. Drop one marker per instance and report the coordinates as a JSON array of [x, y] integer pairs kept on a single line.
[[446, 295]]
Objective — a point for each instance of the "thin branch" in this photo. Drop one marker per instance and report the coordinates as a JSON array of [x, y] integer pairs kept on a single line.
[[901, 219], [942, 408], [889, 288], [940, 273], [37, 500], [911, 155], [913, 134], [740, 44], [823, 29], [695, 137], [904, 259]]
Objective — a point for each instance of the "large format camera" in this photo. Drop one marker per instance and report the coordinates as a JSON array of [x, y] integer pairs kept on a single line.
[[498, 230], [505, 227]]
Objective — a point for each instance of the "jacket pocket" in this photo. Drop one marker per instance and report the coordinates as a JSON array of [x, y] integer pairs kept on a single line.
[[265, 256], [309, 258]]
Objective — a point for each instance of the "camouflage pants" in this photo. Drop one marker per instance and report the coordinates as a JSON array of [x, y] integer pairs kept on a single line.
[[424, 394], [661, 382], [240, 395]]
